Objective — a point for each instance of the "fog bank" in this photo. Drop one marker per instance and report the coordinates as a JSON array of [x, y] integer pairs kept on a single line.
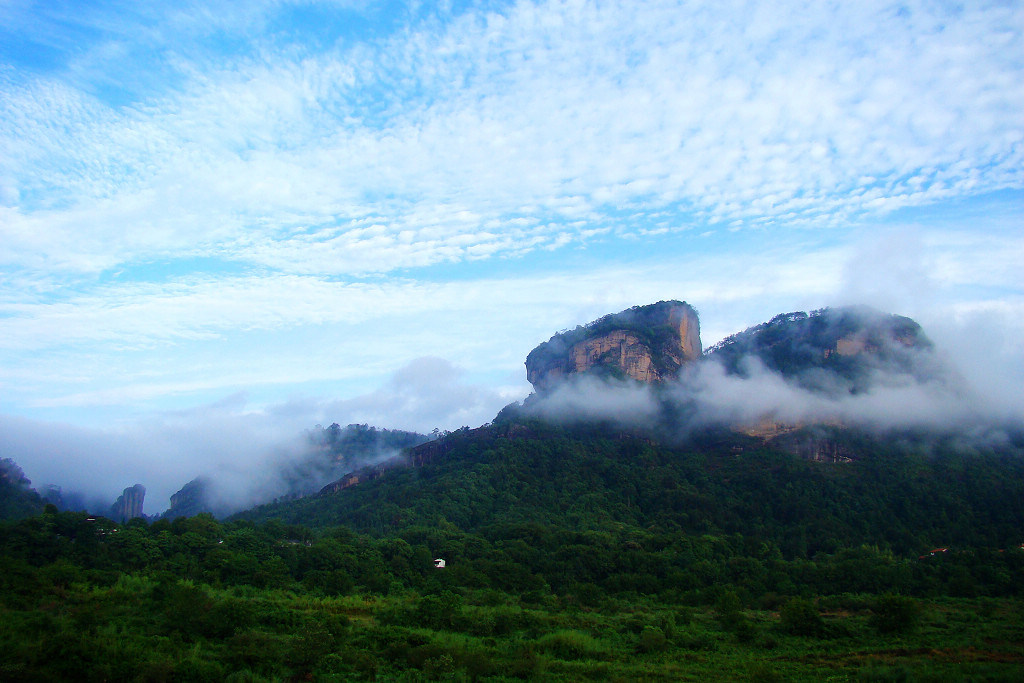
[[247, 452]]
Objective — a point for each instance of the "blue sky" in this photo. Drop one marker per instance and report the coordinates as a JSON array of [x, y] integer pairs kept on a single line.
[[310, 212]]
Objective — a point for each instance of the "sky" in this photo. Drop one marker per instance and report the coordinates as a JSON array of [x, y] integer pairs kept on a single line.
[[224, 222]]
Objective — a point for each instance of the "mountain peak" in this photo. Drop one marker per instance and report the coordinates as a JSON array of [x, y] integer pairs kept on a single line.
[[847, 343], [645, 343]]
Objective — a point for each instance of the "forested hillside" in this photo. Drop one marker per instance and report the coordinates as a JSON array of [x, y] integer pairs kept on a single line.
[[903, 494], [570, 554]]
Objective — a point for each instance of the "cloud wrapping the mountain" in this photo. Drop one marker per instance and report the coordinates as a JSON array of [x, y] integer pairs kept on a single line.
[[586, 398], [894, 400], [245, 451], [932, 395]]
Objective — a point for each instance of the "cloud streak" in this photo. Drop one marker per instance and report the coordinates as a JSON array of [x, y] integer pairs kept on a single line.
[[432, 145]]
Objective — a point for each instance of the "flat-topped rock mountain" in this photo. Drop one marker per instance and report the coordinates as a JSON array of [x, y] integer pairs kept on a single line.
[[842, 349], [645, 343], [832, 349]]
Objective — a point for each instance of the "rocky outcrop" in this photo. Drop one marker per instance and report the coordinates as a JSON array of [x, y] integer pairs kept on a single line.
[[619, 349], [644, 343], [129, 504], [190, 500], [833, 350], [817, 447], [362, 475], [815, 442]]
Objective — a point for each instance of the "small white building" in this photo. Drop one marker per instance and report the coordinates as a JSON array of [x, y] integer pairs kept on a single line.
[[439, 563]]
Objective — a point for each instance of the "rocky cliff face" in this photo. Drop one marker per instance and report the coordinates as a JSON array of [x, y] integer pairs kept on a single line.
[[810, 442], [190, 500], [129, 504], [644, 343]]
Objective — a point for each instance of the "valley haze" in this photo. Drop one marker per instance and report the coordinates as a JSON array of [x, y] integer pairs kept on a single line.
[[224, 223]]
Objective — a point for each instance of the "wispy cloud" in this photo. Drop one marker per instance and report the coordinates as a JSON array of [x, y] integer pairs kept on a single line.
[[442, 133], [299, 198]]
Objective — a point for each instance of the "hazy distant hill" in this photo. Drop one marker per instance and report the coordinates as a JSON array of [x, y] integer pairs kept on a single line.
[[329, 453], [17, 497]]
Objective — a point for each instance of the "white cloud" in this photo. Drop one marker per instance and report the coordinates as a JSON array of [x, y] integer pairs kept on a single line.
[[572, 110], [130, 344]]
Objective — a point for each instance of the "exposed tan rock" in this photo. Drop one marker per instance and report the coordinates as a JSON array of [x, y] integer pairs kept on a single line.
[[644, 343], [805, 440], [767, 428], [619, 348], [851, 346]]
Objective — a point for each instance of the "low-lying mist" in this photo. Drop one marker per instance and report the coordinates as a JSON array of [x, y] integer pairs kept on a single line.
[[245, 454], [926, 391], [242, 452]]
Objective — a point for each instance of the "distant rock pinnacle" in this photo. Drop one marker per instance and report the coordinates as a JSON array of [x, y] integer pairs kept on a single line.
[[129, 504]]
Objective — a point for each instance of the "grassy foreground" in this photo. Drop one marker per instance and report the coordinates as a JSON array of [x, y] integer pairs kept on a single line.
[[163, 629]]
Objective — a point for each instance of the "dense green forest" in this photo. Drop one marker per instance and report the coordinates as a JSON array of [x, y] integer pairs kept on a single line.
[[902, 495], [570, 554]]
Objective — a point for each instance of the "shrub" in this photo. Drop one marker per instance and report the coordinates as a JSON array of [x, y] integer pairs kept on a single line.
[[728, 608], [652, 639], [800, 617], [438, 611], [895, 614], [196, 670], [568, 644]]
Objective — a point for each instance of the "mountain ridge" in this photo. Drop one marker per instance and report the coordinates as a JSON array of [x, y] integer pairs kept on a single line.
[[827, 353]]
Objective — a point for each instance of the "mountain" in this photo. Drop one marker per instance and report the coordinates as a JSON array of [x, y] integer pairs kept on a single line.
[[833, 349], [129, 504], [191, 499], [605, 461], [644, 343], [788, 380]]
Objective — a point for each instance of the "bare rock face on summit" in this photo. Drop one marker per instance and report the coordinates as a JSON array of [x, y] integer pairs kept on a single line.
[[645, 343], [129, 504]]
